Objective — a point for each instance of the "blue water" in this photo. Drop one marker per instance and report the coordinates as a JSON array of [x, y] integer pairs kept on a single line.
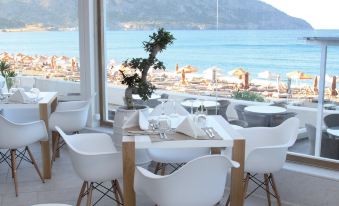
[[255, 50]]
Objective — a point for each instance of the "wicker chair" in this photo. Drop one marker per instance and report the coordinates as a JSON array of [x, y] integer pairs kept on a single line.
[[240, 109], [277, 119], [332, 120]]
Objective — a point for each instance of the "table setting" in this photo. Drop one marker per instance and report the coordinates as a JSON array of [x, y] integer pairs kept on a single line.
[[173, 123]]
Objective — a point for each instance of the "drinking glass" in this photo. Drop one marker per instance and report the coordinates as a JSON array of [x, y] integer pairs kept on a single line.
[[192, 102], [174, 106], [12, 82]]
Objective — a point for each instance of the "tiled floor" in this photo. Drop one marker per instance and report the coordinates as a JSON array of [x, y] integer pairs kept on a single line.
[[64, 187]]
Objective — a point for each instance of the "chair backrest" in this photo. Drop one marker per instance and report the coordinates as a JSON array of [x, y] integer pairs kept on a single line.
[[3, 85], [256, 120], [223, 108], [15, 135], [266, 147], [332, 120], [70, 116], [93, 155], [277, 119], [152, 103], [200, 182], [164, 96], [240, 108]]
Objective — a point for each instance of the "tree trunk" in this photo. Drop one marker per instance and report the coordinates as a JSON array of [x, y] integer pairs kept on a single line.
[[128, 98]]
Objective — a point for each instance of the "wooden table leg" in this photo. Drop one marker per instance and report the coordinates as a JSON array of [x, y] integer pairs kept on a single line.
[[128, 153], [237, 174], [45, 152]]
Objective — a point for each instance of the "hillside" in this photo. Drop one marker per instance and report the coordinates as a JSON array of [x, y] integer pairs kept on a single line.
[[147, 14]]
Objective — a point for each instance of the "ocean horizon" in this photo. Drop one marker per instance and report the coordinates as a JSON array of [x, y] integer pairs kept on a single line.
[[279, 51]]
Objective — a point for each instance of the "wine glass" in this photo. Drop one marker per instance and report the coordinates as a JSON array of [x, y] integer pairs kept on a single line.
[[174, 106], [192, 102]]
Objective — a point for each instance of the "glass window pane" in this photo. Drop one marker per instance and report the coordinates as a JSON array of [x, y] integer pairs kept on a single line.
[[43, 52]]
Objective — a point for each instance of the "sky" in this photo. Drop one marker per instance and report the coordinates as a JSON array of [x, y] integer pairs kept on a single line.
[[321, 14]]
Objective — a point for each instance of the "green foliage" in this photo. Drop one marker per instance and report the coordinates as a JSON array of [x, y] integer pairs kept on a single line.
[[249, 96], [5, 70], [138, 82]]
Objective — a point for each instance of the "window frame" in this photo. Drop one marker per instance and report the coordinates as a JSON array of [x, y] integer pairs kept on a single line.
[[291, 156]]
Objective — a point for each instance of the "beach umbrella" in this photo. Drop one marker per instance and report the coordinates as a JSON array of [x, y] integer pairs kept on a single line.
[[298, 75], [333, 86], [183, 77], [176, 68], [267, 75], [188, 69], [212, 73], [315, 84], [238, 72]]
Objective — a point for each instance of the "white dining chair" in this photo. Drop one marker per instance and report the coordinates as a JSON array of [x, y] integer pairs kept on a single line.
[[95, 160], [265, 153], [71, 117], [201, 182], [173, 157], [14, 136]]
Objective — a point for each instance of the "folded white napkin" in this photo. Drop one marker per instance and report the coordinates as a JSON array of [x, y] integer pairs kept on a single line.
[[20, 96], [138, 118], [169, 109], [188, 127]]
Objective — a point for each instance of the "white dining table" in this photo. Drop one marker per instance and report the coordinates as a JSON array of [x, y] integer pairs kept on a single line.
[[333, 131], [230, 138], [197, 103], [265, 109], [46, 104]]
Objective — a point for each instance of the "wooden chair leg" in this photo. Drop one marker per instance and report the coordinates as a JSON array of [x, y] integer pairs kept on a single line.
[[163, 168], [228, 200], [157, 168], [81, 194], [89, 195], [267, 189], [274, 187], [115, 192], [34, 163], [119, 191], [247, 179], [55, 148], [13, 162]]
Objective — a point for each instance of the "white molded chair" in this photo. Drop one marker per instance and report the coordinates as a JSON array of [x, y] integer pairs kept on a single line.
[[95, 159], [173, 157], [201, 182], [14, 136], [265, 152], [71, 117]]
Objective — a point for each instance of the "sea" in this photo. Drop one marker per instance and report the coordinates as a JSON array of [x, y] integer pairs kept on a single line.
[[279, 51]]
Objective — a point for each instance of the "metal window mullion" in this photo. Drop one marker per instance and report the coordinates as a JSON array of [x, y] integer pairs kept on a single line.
[[320, 112]]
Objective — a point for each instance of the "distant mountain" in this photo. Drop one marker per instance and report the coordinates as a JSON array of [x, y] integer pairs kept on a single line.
[[147, 14]]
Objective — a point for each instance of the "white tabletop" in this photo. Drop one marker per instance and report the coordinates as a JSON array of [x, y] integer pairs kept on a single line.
[[197, 103], [44, 97], [263, 109], [217, 122], [153, 96], [333, 131]]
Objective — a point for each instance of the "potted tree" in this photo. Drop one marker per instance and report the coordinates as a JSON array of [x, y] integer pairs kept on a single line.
[[7, 73], [136, 80]]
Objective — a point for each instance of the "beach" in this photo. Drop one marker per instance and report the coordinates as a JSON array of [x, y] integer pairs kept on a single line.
[[279, 52]]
